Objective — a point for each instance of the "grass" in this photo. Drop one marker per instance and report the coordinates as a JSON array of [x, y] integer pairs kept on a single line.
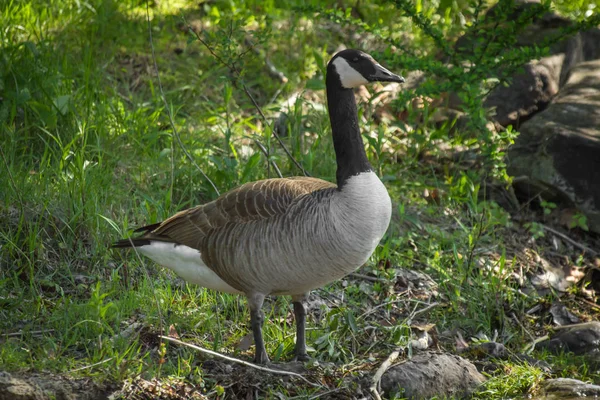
[[514, 381], [88, 153]]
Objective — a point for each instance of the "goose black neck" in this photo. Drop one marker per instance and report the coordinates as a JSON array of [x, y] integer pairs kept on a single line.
[[347, 141]]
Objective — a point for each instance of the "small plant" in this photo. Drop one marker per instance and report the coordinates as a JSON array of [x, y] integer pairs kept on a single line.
[[341, 333], [514, 381], [547, 206], [579, 220], [535, 229]]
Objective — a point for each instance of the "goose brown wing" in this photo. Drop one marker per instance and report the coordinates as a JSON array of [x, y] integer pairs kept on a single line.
[[251, 201]]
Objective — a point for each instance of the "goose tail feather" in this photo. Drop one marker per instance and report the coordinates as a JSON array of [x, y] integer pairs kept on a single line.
[[131, 242]]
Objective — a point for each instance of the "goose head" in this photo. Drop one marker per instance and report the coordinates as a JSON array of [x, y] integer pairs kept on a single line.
[[353, 68]]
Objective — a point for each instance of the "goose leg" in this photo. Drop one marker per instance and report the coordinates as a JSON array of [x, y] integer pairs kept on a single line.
[[257, 318], [300, 353]]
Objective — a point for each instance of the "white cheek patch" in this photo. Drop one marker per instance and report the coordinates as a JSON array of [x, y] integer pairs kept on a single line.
[[349, 77]]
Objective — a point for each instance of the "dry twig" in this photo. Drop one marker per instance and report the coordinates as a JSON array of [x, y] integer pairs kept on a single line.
[[533, 340], [531, 345], [416, 312], [318, 395], [589, 303], [21, 333], [235, 360], [91, 365], [387, 303], [429, 307], [568, 239], [381, 370]]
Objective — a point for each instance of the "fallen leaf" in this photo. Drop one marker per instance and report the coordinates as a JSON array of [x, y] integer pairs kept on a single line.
[[461, 344], [173, 332]]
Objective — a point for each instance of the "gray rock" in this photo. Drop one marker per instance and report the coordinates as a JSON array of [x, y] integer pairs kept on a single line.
[[565, 387], [46, 386], [573, 52], [17, 389], [556, 155], [430, 374], [562, 316], [584, 46], [580, 339], [528, 93], [490, 349], [591, 44]]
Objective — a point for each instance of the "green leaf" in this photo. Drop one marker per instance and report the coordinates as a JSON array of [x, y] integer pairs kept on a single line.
[[32, 48], [112, 223], [23, 96], [191, 38], [250, 166], [351, 321], [319, 60], [164, 152], [63, 103], [46, 114]]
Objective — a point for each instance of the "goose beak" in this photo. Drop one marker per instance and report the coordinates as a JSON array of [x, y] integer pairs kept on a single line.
[[382, 74]]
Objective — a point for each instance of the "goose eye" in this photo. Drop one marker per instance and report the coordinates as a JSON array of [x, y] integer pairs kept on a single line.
[[355, 59]]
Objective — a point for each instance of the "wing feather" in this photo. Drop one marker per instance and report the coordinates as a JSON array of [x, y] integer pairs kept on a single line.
[[252, 201]]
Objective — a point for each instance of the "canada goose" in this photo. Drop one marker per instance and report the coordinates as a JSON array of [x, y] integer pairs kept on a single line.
[[285, 236]]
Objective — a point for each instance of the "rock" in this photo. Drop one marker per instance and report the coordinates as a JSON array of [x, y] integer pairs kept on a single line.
[[556, 155], [17, 389], [591, 44], [584, 46], [528, 93], [490, 349], [45, 386], [562, 316], [431, 374], [573, 55], [565, 387], [580, 339]]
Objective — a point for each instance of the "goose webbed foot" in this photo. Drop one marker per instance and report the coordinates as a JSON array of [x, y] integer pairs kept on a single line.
[[261, 357], [302, 357]]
